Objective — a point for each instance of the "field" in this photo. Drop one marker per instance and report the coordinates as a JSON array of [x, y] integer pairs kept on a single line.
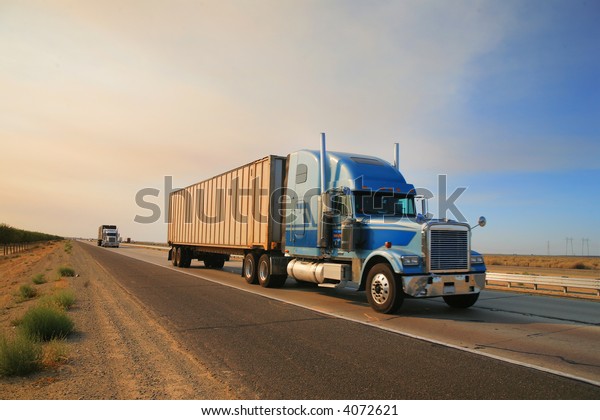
[[117, 349], [569, 266]]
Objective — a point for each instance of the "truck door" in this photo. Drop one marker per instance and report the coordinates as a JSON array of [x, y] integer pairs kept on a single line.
[[341, 209]]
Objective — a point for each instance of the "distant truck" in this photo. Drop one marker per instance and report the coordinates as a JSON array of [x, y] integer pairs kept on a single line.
[[330, 218], [108, 236]]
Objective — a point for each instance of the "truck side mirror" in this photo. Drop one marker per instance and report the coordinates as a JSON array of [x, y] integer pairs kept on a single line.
[[481, 222]]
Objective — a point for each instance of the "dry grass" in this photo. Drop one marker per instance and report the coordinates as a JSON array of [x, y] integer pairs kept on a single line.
[[55, 353], [577, 263]]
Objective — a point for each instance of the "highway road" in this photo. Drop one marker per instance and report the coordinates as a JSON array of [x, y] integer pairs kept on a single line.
[[307, 342]]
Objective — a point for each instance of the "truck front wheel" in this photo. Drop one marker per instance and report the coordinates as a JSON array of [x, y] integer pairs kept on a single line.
[[461, 301], [384, 291]]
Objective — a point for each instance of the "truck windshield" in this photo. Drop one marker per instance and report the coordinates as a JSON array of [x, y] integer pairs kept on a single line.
[[385, 204]]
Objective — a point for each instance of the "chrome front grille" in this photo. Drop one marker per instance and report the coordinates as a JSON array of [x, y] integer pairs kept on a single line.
[[449, 249]]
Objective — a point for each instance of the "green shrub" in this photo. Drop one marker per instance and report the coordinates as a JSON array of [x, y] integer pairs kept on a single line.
[[46, 322], [66, 272], [19, 356], [27, 292], [39, 279], [63, 299]]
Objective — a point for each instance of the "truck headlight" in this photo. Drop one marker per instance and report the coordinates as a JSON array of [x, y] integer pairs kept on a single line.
[[410, 260], [476, 259]]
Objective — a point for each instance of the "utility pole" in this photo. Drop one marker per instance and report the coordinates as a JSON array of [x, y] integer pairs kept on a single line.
[[587, 241], [569, 240], [588, 244], [548, 247]]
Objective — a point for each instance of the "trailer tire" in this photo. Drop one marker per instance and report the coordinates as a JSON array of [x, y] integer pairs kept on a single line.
[[384, 291], [177, 257], [186, 258], [217, 262], [249, 268], [461, 301], [265, 278]]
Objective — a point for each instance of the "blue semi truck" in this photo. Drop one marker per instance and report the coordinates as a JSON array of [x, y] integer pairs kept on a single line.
[[331, 218]]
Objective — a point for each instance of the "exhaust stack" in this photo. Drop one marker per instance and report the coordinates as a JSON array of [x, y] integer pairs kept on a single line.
[[324, 225], [397, 156], [323, 157]]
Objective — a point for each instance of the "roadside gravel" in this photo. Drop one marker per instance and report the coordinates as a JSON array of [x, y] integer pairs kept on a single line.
[[119, 351]]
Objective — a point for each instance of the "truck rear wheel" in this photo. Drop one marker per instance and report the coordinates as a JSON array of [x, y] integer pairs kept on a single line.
[[265, 278], [249, 268], [384, 291], [461, 301]]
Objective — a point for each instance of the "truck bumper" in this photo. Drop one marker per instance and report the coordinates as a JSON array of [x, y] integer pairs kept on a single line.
[[431, 285]]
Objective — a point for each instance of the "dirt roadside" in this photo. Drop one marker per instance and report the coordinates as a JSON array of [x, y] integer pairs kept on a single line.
[[118, 350]]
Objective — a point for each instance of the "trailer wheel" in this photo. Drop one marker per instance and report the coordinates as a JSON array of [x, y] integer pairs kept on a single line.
[[218, 262], [186, 258], [176, 256], [265, 278], [249, 268], [214, 262], [461, 301], [384, 291]]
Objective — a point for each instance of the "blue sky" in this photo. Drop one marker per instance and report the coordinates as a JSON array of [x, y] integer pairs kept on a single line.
[[102, 99]]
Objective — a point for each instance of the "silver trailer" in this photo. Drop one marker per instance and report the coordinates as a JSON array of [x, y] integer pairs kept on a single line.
[[238, 212]]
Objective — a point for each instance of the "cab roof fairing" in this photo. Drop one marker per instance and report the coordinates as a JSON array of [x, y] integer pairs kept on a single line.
[[347, 170]]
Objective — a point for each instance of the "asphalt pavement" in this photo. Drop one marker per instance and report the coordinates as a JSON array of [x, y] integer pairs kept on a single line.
[[268, 349]]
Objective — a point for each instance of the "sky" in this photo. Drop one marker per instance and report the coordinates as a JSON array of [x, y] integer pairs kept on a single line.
[[102, 99]]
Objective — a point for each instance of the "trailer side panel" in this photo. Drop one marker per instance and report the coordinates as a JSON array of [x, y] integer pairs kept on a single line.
[[239, 209]]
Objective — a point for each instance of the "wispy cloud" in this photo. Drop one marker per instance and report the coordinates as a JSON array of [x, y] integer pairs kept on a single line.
[[107, 99]]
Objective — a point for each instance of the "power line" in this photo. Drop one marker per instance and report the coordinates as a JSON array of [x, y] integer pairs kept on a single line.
[[569, 241], [585, 241]]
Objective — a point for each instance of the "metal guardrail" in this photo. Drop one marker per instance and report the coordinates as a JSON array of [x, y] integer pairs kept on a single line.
[[566, 283]]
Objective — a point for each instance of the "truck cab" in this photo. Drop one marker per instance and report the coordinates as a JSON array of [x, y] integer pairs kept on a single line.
[[108, 236], [363, 230]]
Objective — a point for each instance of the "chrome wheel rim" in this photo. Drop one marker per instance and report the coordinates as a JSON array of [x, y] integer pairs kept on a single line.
[[263, 271], [249, 268], [380, 288]]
